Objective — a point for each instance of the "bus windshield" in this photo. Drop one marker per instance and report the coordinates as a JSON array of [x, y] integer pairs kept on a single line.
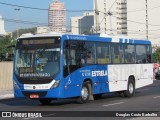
[[37, 60]]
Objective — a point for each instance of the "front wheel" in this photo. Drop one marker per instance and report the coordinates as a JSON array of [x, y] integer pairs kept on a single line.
[[130, 89], [45, 101], [85, 92]]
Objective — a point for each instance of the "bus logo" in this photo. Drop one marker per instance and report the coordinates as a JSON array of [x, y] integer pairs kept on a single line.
[[34, 87], [99, 73]]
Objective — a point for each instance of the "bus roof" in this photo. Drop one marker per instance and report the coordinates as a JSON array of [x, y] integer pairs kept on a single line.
[[51, 34], [97, 37]]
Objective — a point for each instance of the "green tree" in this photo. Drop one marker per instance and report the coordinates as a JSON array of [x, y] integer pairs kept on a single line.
[[156, 56], [6, 51], [23, 31]]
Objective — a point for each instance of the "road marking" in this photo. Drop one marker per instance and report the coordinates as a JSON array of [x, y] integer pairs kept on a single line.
[[113, 104], [156, 97]]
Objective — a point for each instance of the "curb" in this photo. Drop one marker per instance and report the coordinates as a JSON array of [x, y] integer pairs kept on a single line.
[[7, 96]]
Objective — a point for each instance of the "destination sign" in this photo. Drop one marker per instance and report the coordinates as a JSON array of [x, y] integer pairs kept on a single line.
[[41, 41]]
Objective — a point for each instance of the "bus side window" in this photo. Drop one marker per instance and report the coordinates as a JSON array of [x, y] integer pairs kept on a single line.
[[148, 59], [103, 53], [72, 57], [149, 52], [140, 54], [90, 58], [129, 53]]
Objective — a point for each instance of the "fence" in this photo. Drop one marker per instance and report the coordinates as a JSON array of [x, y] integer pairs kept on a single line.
[[6, 69]]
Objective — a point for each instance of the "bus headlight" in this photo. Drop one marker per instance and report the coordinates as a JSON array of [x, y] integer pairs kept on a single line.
[[55, 84], [15, 85]]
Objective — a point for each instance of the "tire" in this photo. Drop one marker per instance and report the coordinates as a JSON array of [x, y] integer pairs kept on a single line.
[[130, 89], [85, 92], [45, 101]]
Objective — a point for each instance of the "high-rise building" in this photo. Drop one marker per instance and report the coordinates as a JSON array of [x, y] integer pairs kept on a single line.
[[128, 17], [82, 24], [57, 17], [110, 16], [2, 30]]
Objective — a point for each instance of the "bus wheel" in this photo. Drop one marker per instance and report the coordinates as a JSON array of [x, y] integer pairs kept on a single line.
[[85, 92], [45, 101], [130, 89]]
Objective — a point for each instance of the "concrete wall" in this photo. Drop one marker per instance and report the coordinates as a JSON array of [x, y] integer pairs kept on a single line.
[[6, 69]]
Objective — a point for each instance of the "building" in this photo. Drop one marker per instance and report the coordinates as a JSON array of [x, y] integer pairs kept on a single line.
[[110, 17], [2, 30], [57, 17], [128, 17], [41, 30], [136, 14], [82, 24], [75, 24]]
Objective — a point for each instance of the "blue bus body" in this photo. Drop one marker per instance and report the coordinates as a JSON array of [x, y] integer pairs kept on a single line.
[[100, 76]]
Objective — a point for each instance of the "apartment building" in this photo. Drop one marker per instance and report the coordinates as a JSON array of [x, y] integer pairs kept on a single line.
[[57, 17]]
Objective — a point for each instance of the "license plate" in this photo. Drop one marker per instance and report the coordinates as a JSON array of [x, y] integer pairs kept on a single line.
[[34, 96]]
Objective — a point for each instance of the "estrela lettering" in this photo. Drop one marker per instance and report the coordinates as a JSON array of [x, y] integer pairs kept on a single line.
[[99, 73]]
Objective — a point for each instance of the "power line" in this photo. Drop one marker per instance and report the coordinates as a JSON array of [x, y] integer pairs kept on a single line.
[[34, 23], [24, 22], [112, 5], [107, 13], [144, 9], [43, 9], [46, 24], [138, 22]]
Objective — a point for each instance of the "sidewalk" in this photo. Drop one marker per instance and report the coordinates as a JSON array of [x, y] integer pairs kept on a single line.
[[6, 94]]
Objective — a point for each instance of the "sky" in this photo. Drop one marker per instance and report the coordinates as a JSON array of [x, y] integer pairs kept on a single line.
[[9, 13]]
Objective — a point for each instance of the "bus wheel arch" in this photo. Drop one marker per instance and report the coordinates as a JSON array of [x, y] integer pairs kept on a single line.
[[130, 87], [86, 92]]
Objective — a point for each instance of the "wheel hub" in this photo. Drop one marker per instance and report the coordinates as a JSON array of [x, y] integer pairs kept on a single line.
[[131, 88], [84, 93]]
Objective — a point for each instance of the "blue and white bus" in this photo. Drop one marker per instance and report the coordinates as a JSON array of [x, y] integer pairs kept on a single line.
[[54, 66]]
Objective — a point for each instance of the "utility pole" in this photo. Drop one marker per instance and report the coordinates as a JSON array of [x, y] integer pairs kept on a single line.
[[17, 20], [146, 20], [105, 20], [96, 16], [110, 15]]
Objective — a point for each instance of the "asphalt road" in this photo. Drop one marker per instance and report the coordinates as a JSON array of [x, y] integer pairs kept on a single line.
[[145, 99]]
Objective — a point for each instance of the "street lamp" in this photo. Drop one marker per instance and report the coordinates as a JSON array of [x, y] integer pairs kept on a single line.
[[17, 20]]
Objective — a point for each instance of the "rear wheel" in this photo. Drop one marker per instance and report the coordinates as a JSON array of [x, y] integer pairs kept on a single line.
[[130, 89], [45, 101], [85, 92]]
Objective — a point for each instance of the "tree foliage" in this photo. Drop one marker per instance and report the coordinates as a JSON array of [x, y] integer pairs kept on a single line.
[[6, 51], [156, 56], [23, 31]]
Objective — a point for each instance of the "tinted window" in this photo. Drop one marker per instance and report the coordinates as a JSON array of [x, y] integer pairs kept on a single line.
[[149, 54], [103, 53], [117, 53], [79, 53], [140, 54], [129, 51]]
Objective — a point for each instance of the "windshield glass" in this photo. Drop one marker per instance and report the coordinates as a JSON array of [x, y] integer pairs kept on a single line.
[[34, 61]]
